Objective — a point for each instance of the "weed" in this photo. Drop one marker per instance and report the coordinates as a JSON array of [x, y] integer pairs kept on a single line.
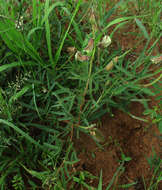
[[17, 183], [48, 96]]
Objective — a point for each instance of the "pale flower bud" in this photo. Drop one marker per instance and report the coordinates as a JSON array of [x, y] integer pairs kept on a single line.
[[156, 59], [106, 41], [80, 57], [71, 50]]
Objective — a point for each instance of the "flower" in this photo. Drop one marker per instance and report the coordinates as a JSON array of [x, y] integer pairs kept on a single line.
[[106, 41]]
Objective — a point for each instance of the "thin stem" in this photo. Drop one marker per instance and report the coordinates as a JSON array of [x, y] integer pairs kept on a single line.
[[87, 84]]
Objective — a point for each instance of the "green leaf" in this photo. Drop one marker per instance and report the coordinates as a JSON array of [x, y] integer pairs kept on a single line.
[[19, 94], [71, 162], [127, 159], [110, 12], [160, 126], [142, 28], [76, 179], [48, 10], [18, 130], [119, 169], [32, 31], [34, 14], [148, 92], [118, 20], [159, 179], [16, 41], [100, 182], [39, 175], [126, 186], [15, 64], [148, 111], [48, 33], [119, 90], [56, 58]]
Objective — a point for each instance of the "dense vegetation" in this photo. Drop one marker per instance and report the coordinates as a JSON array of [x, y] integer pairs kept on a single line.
[[58, 75]]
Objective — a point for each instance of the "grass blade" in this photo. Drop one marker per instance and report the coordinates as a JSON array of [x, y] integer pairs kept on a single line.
[[142, 28], [48, 10], [15, 64], [120, 168], [48, 34], [100, 182], [16, 41], [25, 135], [34, 12], [56, 58], [32, 31], [19, 94], [110, 12]]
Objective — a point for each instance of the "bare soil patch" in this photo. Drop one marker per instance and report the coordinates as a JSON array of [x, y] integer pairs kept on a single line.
[[122, 133]]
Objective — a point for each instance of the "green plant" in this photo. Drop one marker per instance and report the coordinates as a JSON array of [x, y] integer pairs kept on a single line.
[[17, 183], [149, 12], [120, 170], [155, 163], [152, 10], [81, 180], [155, 115], [155, 112], [48, 96]]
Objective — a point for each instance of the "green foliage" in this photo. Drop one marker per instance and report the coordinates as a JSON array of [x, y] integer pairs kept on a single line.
[[155, 163], [148, 10], [17, 183], [156, 112], [47, 96]]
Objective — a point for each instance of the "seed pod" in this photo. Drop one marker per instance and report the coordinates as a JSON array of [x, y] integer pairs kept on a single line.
[[89, 47], [80, 57], [110, 65], [156, 59], [71, 50]]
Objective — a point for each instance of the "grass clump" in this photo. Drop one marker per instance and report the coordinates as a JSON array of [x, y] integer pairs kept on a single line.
[[58, 75]]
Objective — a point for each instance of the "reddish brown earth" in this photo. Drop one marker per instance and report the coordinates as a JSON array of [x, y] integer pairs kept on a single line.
[[122, 134]]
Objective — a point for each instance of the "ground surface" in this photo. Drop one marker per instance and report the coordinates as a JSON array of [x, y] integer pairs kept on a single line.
[[123, 133]]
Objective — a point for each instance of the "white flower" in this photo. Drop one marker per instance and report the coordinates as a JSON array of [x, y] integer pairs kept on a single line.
[[106, 41]]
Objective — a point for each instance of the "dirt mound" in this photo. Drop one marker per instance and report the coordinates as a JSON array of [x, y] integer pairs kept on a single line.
[[123, 134]]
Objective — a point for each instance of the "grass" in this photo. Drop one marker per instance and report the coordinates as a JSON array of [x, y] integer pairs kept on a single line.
[[47, 96]]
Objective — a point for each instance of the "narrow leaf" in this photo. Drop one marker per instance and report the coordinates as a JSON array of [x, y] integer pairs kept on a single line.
[[66, 33], [142, 28], [19, 94], [15, 64], [25, 135]]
